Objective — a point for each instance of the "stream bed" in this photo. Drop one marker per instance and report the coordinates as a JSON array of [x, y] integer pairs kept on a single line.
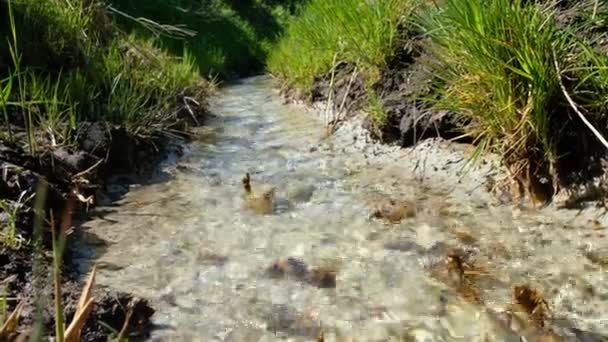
[[187, 244]]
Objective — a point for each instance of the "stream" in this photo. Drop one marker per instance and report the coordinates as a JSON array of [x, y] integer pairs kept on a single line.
[[187, 244]]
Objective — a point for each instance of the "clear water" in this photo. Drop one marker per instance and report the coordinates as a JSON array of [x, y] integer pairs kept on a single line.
[[187, 245]]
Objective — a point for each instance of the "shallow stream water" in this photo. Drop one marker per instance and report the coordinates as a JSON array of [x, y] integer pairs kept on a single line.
[[187, 245]]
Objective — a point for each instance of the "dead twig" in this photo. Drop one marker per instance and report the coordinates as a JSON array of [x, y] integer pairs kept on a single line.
[[82, 173], [597, 134], [185, 100], [338, 117], [330, 92], [10, 325], [125, 325]]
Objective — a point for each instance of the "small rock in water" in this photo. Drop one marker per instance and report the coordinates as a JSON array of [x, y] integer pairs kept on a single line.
[[499, 251], [464, 236], [262, 205], [403, 246], [212, 259], [395, 212], [288, 266], [287, 320], [597, 256], [323, 278], [584, 287], [303, 194]]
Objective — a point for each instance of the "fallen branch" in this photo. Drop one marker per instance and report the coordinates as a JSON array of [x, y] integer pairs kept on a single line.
[[573, 104], [82, 173], [185, 99]]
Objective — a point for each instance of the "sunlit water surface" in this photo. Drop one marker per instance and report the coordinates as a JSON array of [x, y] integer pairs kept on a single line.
[[185, 243]]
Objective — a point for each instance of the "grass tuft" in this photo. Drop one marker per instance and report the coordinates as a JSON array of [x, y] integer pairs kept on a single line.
[[67, 64], [8, 230], [494, 62], [363, 33]]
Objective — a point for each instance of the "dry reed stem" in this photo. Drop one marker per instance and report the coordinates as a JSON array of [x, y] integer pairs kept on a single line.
[[10, 325], [85, 305], [72, 334], [125, 324]]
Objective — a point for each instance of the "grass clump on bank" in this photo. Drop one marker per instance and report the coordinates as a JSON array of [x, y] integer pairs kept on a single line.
[[65, 63], [499, 64], [329, 32], [495, 62]]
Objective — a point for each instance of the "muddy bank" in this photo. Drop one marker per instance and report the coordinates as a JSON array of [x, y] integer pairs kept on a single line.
[[110, 307], [97, 169]]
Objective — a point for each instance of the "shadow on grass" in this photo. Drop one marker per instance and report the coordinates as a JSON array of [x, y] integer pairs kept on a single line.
[[233, 36]]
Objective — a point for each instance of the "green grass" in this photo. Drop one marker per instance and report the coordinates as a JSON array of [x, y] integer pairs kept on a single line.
[[226, 37], [8, 232], [587, 65], [495, 64], [67, 63], [375, 110], [363, 33], [494, 60]]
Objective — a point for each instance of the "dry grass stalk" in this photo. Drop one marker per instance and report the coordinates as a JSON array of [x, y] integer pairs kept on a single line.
[[125, 324], [83, 310], [10, 325], [333, 124], [595, 132], [247, 184]]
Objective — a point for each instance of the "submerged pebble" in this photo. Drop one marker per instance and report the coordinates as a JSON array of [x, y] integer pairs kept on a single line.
[[396, 211], [403, 246], [323, 277]]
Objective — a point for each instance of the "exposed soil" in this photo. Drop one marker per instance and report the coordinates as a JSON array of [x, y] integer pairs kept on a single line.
[[77, 177], [110, 307], [402, 80]]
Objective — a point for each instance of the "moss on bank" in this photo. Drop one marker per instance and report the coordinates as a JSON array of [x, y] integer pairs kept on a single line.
[[490, 65]]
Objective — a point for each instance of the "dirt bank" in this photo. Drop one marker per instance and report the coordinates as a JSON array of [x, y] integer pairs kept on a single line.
[[409, 120], [104, 158]]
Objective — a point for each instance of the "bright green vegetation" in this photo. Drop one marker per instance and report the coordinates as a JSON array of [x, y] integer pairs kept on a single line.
[[357, 32], [226, 37], [500, 64], [62, 62], [503, 80], [492, 62], [8, 230]]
